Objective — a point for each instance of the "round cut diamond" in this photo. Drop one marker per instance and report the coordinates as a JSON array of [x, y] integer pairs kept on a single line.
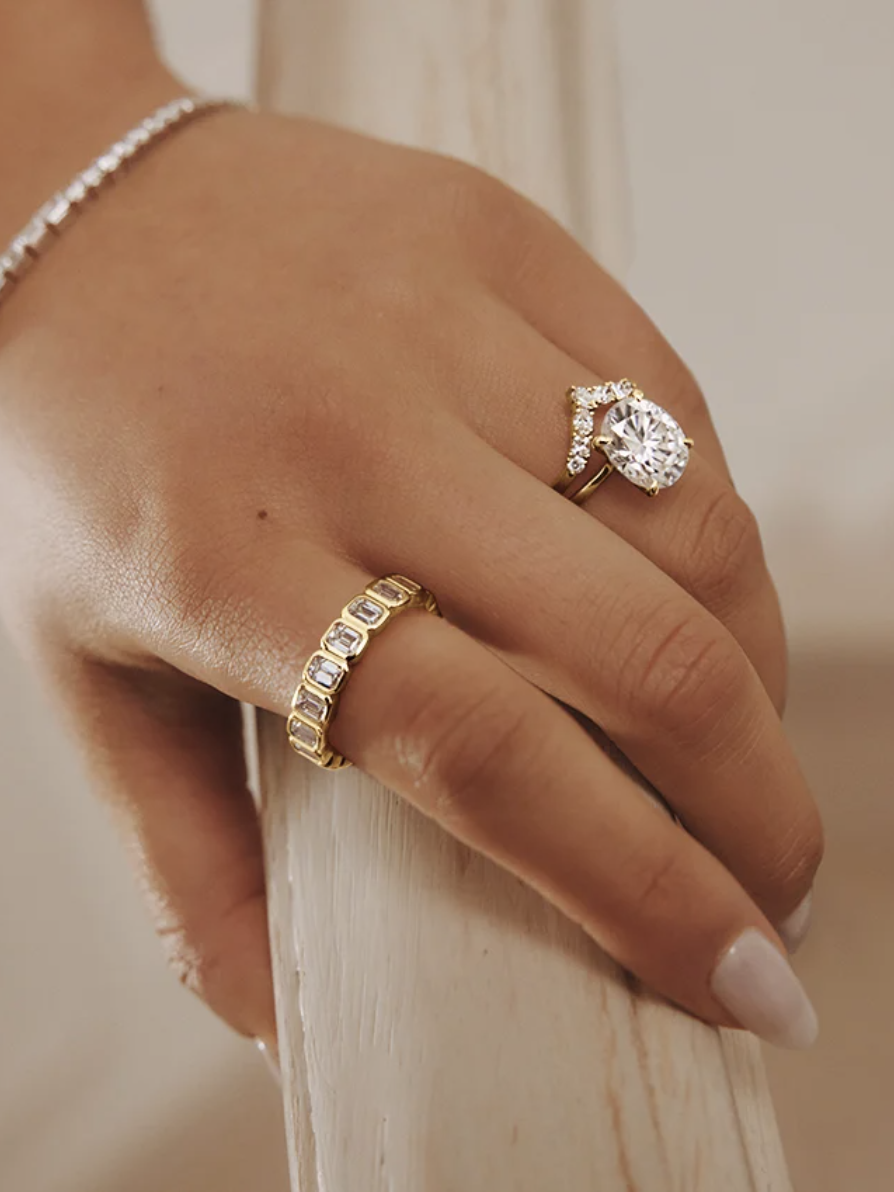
[[644, 443]]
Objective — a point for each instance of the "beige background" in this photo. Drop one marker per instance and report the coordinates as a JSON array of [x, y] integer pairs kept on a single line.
[[757, 142]]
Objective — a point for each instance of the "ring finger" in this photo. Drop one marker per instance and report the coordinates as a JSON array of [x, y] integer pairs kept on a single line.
[[700, 532]]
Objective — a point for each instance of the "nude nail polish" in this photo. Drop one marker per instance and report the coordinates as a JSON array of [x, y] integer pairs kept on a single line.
[[758, 987], [793, 930]]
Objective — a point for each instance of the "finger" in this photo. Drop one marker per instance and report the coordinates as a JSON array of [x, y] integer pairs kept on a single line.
[[586, 617], [700, 532], [449, 726], [704, 537], [562, 292], [166, 754]]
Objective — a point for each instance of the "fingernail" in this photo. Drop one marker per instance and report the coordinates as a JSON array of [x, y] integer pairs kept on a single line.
[[793, 930], [271, 1060], [756, 984]]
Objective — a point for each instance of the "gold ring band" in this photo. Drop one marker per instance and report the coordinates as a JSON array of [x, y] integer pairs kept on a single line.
[[326, 672], [637, 438]]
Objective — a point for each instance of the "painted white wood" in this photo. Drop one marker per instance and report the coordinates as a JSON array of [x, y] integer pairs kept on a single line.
[[526, 89], [442, 1028]]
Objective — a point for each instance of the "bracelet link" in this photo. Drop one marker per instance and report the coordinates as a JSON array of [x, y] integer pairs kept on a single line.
[[54, 216]]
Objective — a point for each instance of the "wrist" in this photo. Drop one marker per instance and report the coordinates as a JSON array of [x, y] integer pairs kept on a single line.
[[61, 105]]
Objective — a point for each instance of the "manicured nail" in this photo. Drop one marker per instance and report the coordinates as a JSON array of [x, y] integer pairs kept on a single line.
[[271, 1060], [756, 984], [793, 930]]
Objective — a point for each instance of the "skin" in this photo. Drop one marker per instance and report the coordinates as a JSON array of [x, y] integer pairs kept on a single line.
[[278, 360]]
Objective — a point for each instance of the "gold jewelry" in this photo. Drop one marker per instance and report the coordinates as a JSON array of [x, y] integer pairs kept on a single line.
[[639, 439], [342, 645]]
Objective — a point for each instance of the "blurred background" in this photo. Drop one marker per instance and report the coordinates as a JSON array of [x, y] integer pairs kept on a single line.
[[756, 156]]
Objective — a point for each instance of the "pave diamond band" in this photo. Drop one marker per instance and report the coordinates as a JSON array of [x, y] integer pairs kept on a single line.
[[30, 244], [341, 646], [637, 438]]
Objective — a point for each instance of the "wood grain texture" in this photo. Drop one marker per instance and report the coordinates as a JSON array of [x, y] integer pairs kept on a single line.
[[442, 1028]]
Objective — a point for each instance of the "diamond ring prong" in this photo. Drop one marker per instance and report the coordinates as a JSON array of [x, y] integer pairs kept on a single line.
[[653, 490], [689, 442]]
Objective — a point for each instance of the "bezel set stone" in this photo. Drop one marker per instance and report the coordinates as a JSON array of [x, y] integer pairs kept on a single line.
[[342, 645], [638, 438], [345, 640], [325, 672], [30, 244], [367, 611]]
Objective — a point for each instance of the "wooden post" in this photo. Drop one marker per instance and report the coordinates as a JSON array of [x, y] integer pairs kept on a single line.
[[442, 1028]]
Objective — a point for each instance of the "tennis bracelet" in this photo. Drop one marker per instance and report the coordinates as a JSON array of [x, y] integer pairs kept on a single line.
[[48, 223]]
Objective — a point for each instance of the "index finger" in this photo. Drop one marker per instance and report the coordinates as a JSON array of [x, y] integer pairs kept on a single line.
[[448, 725]]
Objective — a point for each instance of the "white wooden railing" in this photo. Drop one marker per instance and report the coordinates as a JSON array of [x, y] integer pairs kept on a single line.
[[442, 1028]]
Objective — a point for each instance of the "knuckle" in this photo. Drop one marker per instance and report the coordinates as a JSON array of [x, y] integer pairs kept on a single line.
[[495, 224], [393, 294], [221, 960], [451, 744], [727, 551], [798, 856], [683, 676], [475, 196], [197, 969], [655, 881], [684, 396], [188, 584]]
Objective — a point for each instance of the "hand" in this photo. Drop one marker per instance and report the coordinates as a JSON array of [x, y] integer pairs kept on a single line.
[[278, 360]]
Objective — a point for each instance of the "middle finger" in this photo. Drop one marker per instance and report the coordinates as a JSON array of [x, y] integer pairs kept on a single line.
[[587, 618]]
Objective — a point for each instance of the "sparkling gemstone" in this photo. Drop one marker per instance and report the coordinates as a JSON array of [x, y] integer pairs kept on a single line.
[[344, 640], [304, 734], [325, 672], [92, 177], [36, 235], [368, 611], [389, 592], [309, 704], [583, 423], [644, 443], [576, 464], [596, 395], [17, 260], [75, 193], [58, 211], [618, 390]]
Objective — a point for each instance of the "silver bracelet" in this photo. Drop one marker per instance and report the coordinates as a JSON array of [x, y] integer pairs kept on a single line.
[[48, 223]]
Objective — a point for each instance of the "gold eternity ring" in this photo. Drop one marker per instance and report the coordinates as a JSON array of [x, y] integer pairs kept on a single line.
[[341, 647], [638, 439]]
